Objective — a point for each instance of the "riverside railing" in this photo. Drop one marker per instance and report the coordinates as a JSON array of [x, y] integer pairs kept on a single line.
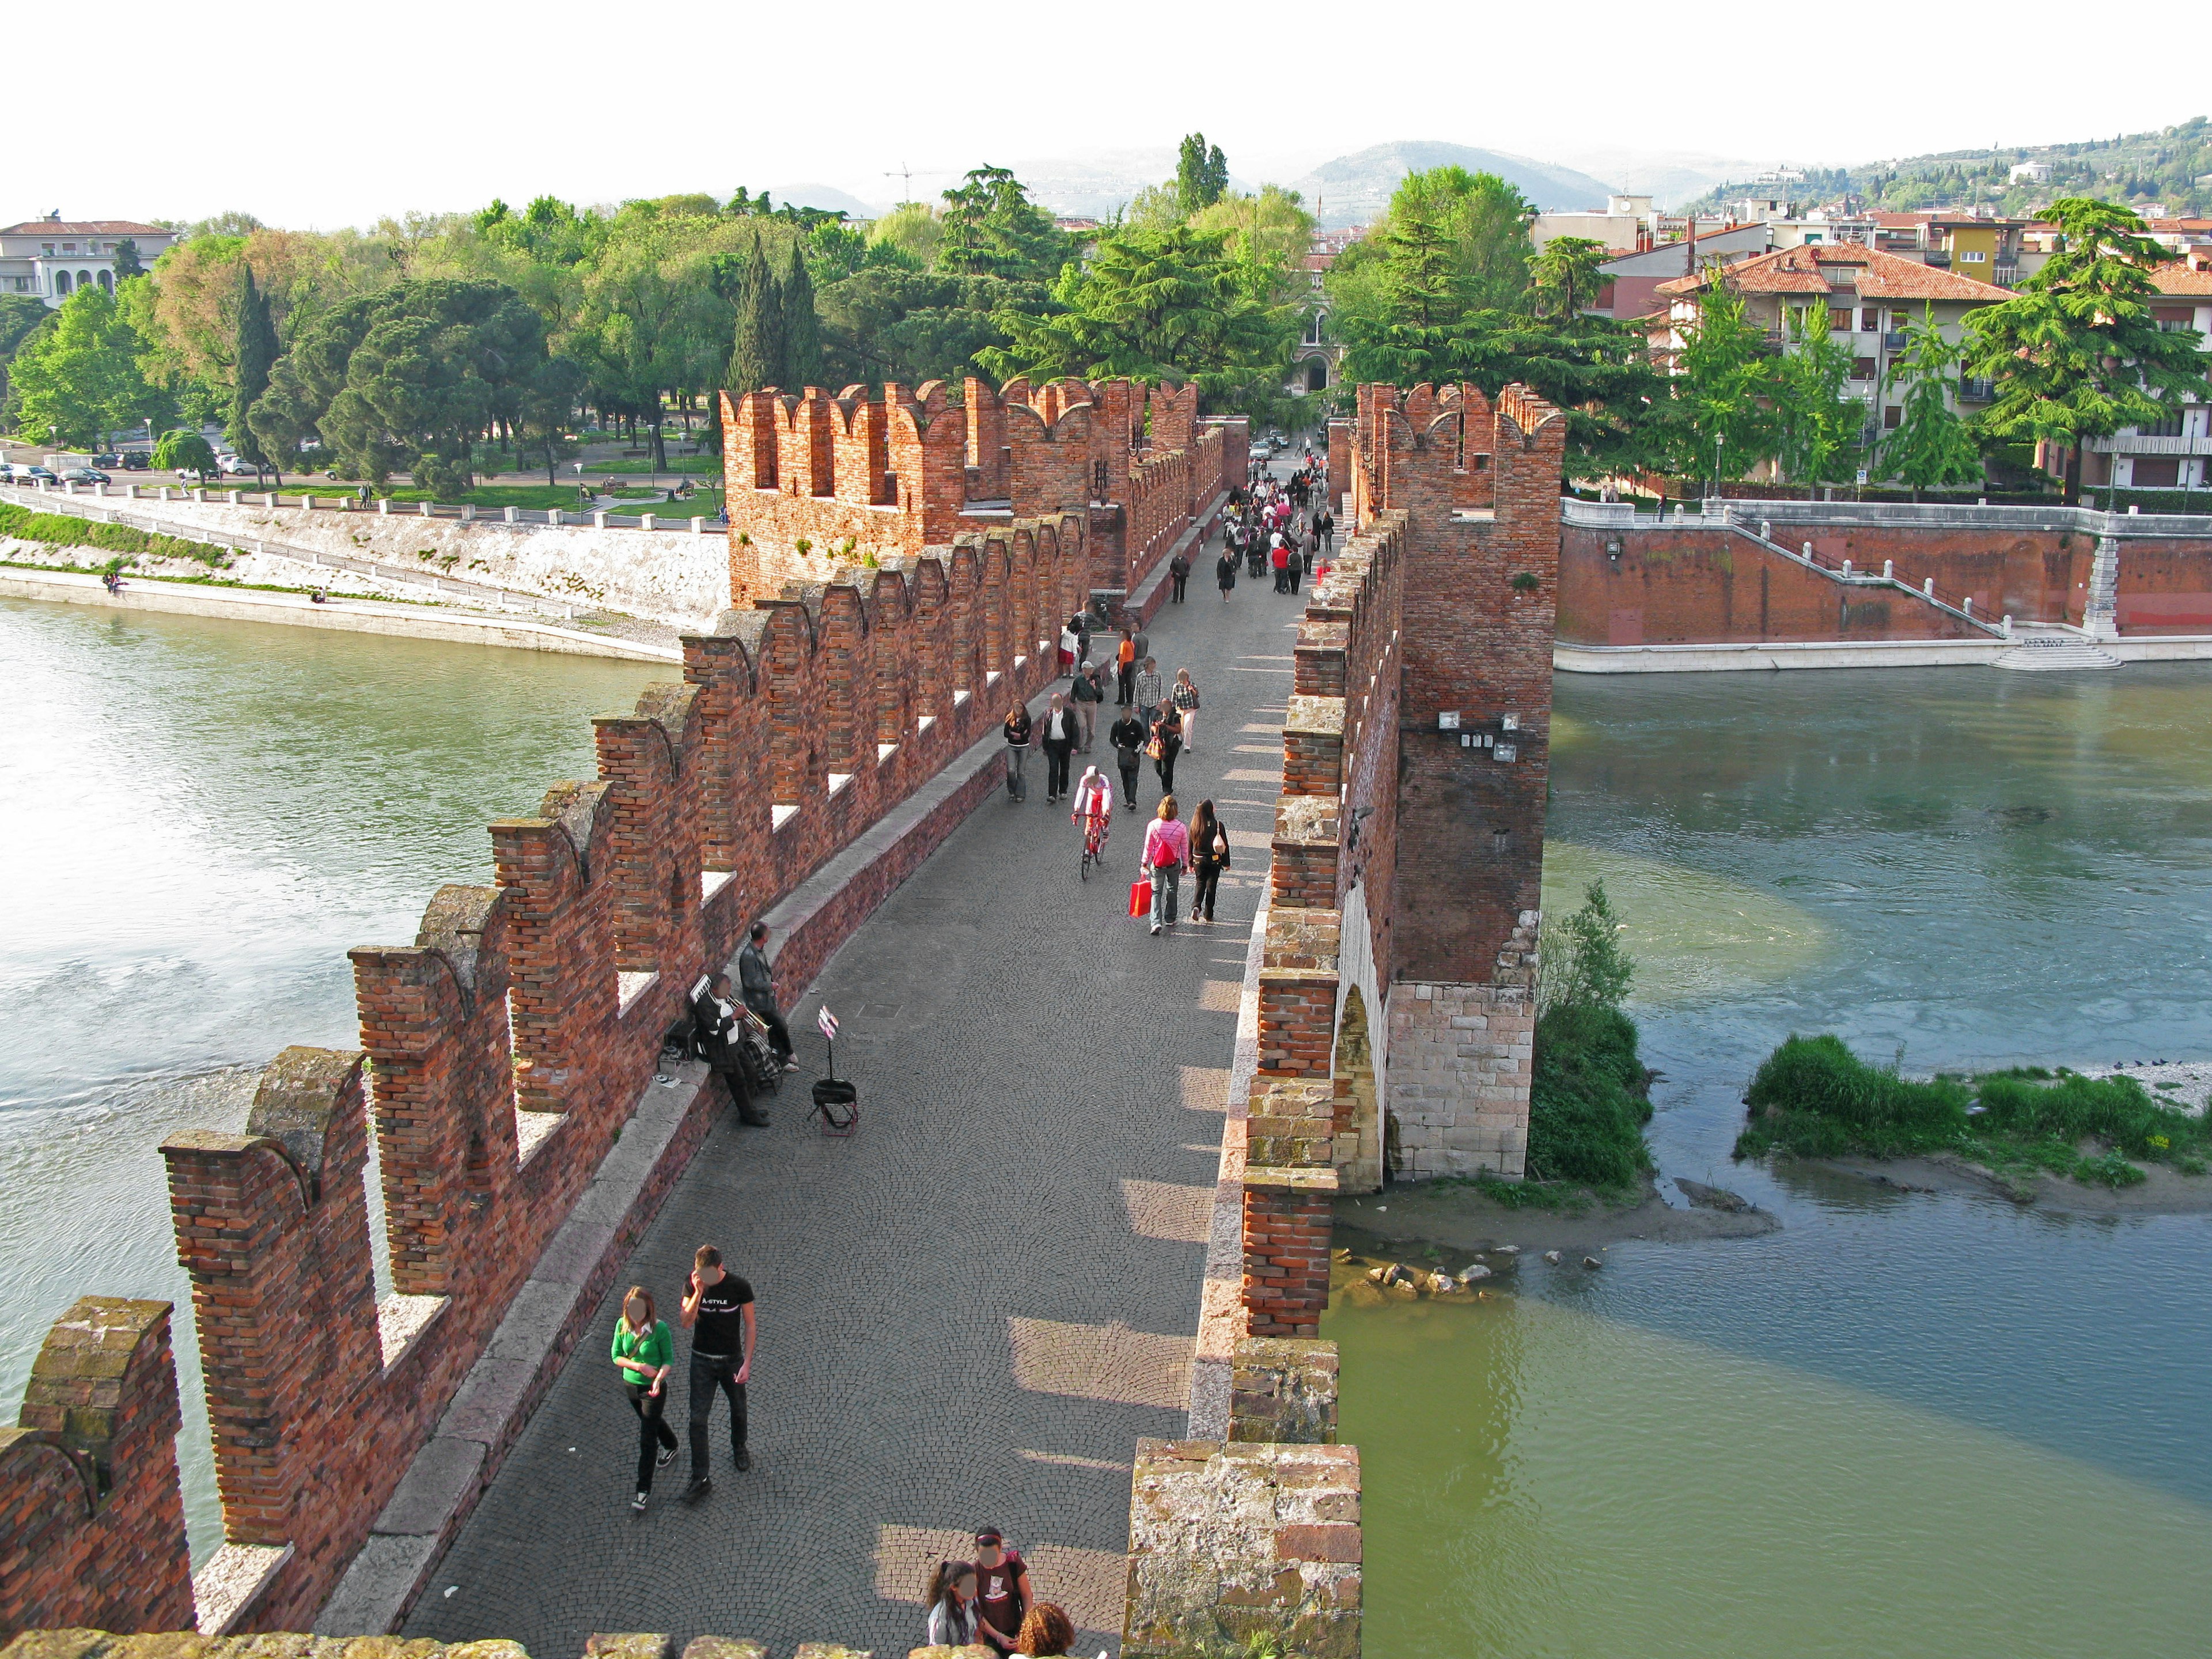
[[384, 507], [494, 598]]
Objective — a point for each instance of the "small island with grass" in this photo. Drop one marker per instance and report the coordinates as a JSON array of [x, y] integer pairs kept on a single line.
[[2058, 1138]]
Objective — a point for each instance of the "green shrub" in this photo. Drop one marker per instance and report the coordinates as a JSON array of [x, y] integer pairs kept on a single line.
[[1588, 1098], [1815, 1097], [61, 530]]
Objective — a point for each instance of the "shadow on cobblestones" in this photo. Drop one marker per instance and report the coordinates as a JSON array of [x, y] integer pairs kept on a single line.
[[970, 1311]]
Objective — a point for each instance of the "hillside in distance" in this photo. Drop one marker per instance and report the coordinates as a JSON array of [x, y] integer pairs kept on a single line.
[[1353, 190], [2170, 167]]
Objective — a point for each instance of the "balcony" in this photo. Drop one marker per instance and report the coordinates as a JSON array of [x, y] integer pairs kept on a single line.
[[2004, 275], [1894, 341], [1938, 258], [1971, 391], [2127, 444]]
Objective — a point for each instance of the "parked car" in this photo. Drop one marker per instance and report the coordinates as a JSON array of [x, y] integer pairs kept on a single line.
[[23, 473], [108, 460], [137, 460], [231, 466], [83, 475]]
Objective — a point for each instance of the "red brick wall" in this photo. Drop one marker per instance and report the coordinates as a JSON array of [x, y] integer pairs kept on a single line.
[[91, 1526], [2166, 586], [1707, 587], [1286, 1233]]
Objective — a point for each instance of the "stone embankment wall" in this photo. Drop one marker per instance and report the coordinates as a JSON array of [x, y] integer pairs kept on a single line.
[[854, 478], [1692, 581], [663, 575], [503, 1051]]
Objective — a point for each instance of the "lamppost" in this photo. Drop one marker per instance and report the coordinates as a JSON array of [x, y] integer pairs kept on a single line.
[[1720, 440]]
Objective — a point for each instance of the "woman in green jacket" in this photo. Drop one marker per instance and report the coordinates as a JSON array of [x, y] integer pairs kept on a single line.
[[644, 1354]]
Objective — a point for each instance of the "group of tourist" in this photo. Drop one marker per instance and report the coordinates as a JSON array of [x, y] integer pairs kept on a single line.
[[1276, 525], [989, 1603], [1155, 721]]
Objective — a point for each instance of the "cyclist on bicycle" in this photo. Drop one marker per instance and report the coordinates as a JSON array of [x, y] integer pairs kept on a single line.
[[1094, 806]]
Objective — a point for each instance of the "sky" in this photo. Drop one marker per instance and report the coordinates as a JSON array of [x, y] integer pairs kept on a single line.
[[316, 116]]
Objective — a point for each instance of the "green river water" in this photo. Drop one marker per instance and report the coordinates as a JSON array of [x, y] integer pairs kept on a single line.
[[1906, 1424]]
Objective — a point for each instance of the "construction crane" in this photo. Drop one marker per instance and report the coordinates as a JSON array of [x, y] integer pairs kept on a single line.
[[906, 175]]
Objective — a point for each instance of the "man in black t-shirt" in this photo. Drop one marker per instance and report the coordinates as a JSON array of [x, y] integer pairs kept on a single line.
[[718, 1311], [1003, 1595]]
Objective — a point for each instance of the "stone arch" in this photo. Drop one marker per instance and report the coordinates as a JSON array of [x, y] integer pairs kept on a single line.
[[1357, 1120], [106, 281], [1317, 374], [61, 282], [83, 280]]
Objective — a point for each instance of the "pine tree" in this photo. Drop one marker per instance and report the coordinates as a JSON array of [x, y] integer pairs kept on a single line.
[[756, 360], [256, 351], [802, 328], [1930, 446], [127, 261]]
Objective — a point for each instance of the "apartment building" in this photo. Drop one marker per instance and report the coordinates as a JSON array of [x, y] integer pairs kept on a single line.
[[2177, 453], [1868, 298]]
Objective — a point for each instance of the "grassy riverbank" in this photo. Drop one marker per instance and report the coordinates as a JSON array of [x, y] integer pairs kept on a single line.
[[1813, 1098], [60, 530]]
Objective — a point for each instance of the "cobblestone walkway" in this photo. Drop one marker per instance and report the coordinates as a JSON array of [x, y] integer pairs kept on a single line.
[[969, 1312]]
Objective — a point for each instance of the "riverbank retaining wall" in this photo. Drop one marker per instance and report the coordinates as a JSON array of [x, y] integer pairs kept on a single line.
[[503, 1052], [1630, 579]]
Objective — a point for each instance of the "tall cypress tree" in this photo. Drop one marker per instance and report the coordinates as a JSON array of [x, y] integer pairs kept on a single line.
[[757, 356], [255, 355], [802, 328]]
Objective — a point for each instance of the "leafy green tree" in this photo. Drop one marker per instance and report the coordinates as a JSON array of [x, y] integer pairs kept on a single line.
[[76, 379], [255, 354], [127, 261], [1721, 386], [1201, 174], [1567, 275], [651, 322], [183, 450], [913, 231], [892, 324], [992, 229], [2076, 353], [18, 314], [1815, 427], [283, 416], [758, 358], [1930, 446], [1584, 963], [1154, 305], [802, 328]]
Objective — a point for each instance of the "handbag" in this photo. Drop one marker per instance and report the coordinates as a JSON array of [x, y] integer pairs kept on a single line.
[[1141, 896], [1153, 750]]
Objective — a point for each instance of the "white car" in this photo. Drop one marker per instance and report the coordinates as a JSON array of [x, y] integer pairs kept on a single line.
[[231, 467]]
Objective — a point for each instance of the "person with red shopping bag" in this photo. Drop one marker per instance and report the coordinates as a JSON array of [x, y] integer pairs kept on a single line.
[[1167, 854]]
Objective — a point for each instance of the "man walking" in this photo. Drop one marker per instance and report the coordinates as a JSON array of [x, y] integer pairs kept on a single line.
[[718, 1311], [1179, 569], [1124, 669], [1128, 735], [757, 981], [1149, 691], [1061, 729], [1083, 696]]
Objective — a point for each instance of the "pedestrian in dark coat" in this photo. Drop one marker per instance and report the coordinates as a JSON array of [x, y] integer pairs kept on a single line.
[[1128, 736]]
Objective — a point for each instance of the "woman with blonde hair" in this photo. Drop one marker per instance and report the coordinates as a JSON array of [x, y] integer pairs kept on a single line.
[[644, 1354], [1167, 852]]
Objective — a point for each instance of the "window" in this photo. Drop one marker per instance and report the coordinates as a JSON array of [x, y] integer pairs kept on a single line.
[[1893, 418], [1870, 320], [1974, 256], [1839, 322], [2163, 473], [1862, 368], [46, 248], [69, 247]]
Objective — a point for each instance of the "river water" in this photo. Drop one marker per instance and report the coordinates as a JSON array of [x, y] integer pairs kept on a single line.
[[202, 817], [1907, 1424]]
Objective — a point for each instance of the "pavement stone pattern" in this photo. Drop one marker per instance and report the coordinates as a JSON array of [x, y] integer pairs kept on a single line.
[[971, 1310]]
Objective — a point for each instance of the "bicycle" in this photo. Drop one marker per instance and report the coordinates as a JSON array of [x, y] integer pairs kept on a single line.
[[1094, 841]]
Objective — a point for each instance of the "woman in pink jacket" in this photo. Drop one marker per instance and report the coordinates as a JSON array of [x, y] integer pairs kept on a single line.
[[1167, 855]]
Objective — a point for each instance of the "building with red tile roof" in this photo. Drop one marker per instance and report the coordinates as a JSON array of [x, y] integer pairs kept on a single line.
[[54, 257]]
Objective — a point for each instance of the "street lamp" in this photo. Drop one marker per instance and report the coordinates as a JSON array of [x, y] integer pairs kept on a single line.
[[1720, 440]]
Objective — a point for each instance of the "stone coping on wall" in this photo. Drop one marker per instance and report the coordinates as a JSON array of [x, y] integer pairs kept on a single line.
[[1221, 1305], [2086, 521]]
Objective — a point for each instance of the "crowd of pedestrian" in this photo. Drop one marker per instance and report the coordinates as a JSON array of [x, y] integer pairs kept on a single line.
[[1279, 525]]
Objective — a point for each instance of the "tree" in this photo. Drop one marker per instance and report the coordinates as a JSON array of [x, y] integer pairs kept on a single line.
[[1157, 305], [651, 323], [1584, 965], [1201, 174], [255, 354], [992, 229], [1930, 445], [2076, 353], [76, 379], [1721, 385], [18, 314], [283, 416], [802, 328], [912, 230], [1567, 275], [1815, 426], [127, 263], [183, 450], [756, 360]]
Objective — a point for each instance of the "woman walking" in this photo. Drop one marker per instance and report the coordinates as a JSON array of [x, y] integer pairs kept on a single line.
[[1166, 744], [951, 1605], [1167, 852], [1185, 698], [1018, 749], [1224, 570], [644, 1354], [1209, 857]]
